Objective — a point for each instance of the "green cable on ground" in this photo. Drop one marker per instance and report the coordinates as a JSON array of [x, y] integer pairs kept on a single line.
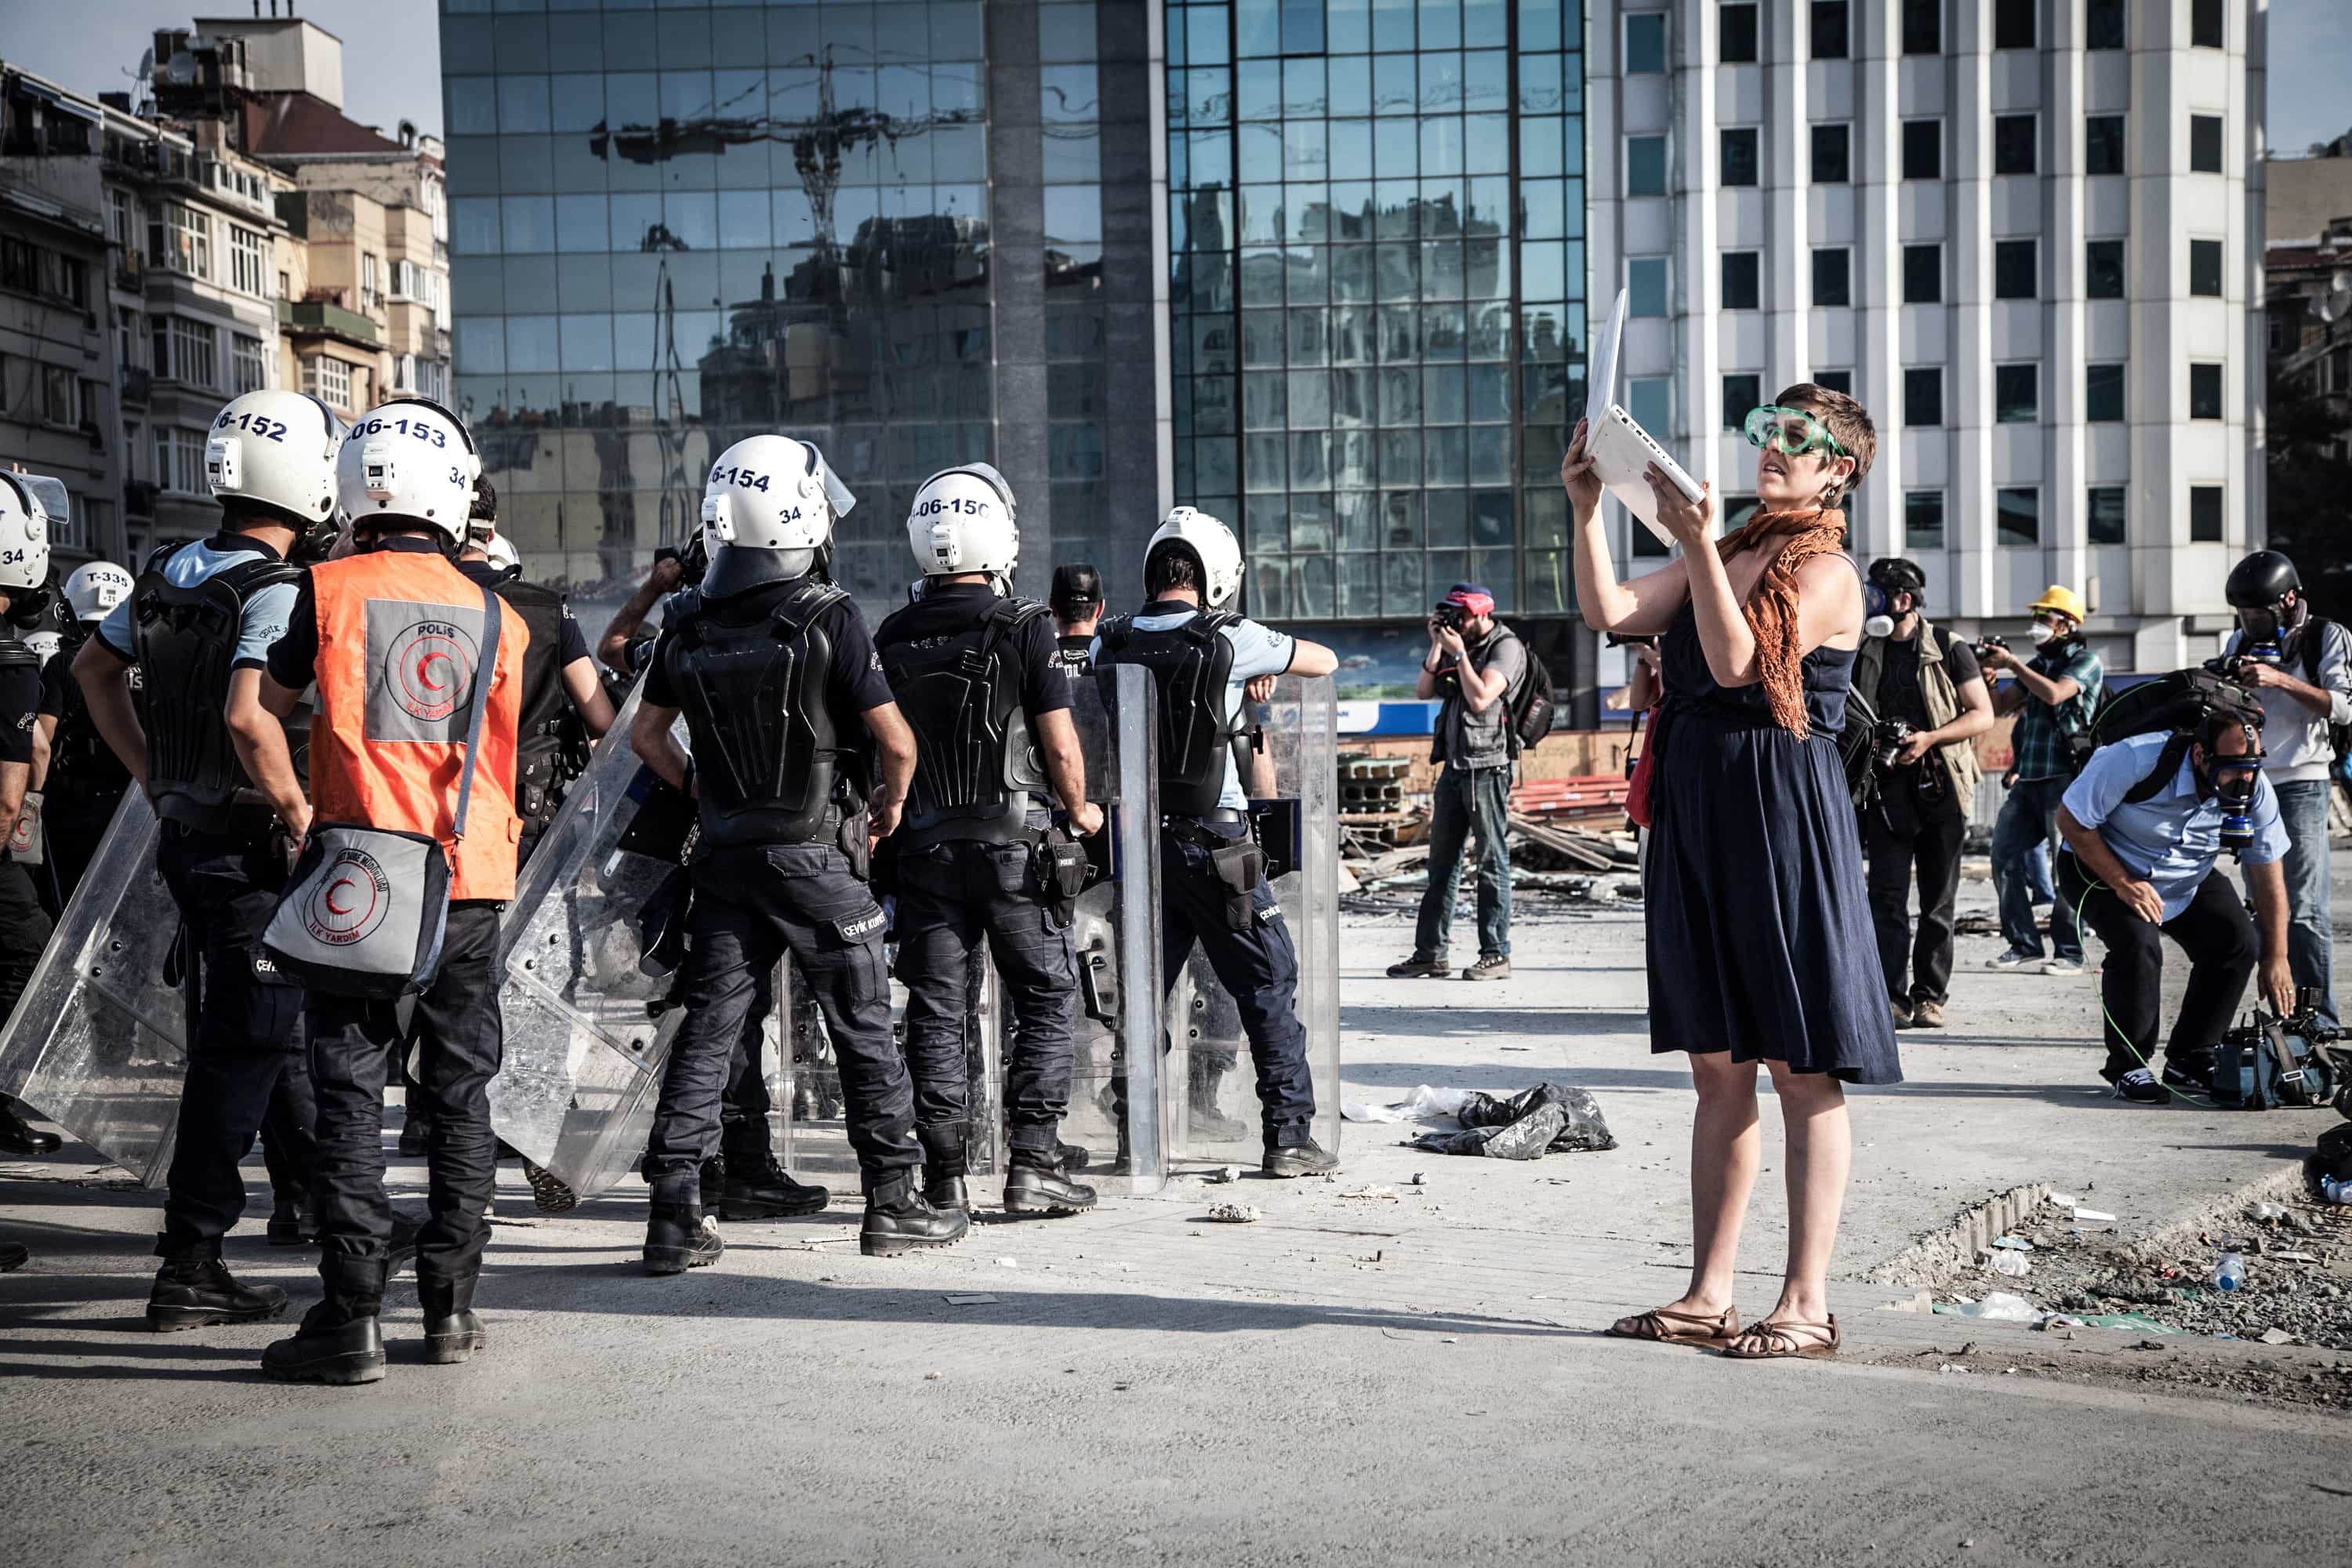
[[2146, 1065]]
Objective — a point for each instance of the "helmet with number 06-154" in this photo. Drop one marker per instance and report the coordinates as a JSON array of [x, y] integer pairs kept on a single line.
[[771, 493], [95, 587], [1211, 543], [963, 521], [411, 460], [276, 450], [25, 531]]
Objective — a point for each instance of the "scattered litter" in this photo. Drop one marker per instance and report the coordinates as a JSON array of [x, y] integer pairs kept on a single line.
[[1420, 1106], [1388, 1194], [1235, 1214], [1506, 1049], [1008, 1263], [1917, 1301], [2139, 1321], [2092, 1215], [1525, 1126], [2012, 1264], [2293, 1256], [931, 1377], [1417, 1181], [2013, 1242], [1222, 1175], [2268, 1214], [2000, 1307], [977, 1298], [2277, 1337], [2062, 1200], [1953, 1366]]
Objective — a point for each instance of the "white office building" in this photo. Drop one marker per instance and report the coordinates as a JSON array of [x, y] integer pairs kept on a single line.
[[2026, 234]]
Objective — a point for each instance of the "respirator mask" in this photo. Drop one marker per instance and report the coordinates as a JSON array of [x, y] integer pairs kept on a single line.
[[1878, 611], [2231, 782]]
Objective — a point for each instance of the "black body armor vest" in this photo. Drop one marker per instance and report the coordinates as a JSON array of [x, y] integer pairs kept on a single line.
[[186, 641], [769, 767], [1191, 667], [539, 737], [80, 761], [976, 764]]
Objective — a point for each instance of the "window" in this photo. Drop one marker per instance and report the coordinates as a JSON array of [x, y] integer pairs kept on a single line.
[[1735, 35], [2205, 267], [185, 352], [410, 281], [2020, 516], [2105, 511], [1645, 165], [1922, 274], [2205, 24], [1923, 396], [1923, 26], [1835, 381], [127, 330], [1923, 149], [1743, 280], [1646, 44], [2013, 24], [285, 285], [180, 460], [2103, 394], [182, 239], [2103, 268], [329, 380], [2016, 269], [1829, 29], [2016, 394], [1923, 519], [1833, 276], [20, 265], [60, 394], [371, 281], [247, 370], [120, 219], [1741, 393], [1832, 163], [1739, 155], [2205, 143], [2204, 391], [2012, 143], [2103, 25], [1650, 403], [2103, 144], [248, 265], [2204, 514], [1645, 286]]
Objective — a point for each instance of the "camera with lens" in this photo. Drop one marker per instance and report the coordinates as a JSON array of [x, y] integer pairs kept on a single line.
[[1450, 615], [1886, 738], [2298, 1060], [1989, 642]]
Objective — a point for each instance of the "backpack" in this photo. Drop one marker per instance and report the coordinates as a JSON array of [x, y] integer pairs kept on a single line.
[[1531, 710], [2175, 704], [1855, 747], [2316, 634]]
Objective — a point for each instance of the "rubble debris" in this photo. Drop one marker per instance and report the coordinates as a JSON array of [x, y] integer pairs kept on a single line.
[[1236, 1214], [1387, 1193]]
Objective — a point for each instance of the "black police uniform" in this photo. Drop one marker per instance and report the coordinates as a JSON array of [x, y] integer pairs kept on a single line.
[[86, 780], [773, 682], [1212, 885], [1075, 655], [25, 925], [973, 673]]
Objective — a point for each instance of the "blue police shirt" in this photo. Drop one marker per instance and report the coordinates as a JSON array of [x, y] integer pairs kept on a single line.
[[1258, 651], [2172, 839], [267, 613]]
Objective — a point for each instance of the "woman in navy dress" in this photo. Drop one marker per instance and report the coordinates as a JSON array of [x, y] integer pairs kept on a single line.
[[1759, 938]]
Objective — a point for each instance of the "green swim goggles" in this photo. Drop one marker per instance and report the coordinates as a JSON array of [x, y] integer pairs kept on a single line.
[[1790, 431]]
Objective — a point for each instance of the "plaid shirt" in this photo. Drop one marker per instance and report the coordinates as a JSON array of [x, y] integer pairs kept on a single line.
[[2040, 737]]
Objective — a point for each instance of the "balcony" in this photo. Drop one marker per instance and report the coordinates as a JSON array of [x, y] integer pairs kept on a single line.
[[322, 318]]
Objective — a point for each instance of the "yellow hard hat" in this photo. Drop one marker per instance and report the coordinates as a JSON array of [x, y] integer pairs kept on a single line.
[[2064, 600]]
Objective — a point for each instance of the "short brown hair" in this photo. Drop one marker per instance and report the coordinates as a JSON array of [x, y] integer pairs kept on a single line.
[[1848, 420]]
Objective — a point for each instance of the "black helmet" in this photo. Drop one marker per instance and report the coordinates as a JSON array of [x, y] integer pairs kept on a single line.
[[1078, 589], [2261, 580], [1897, 575]]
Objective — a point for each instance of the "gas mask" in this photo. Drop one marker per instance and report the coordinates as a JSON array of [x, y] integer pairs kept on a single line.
[[2231, 782], [2267, 632], [1878, 607], [27, 605]]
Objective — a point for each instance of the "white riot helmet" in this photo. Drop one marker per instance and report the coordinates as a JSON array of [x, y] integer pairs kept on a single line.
[[28, 502], [1211, 543], [962, 520], [95, 587], [771, 493], [276, 450], [501, 552], [45, 645], [413, 459]]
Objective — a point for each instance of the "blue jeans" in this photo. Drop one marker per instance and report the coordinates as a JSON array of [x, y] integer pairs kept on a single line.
[[2028, 817], [1464, 796], [2311, 931]]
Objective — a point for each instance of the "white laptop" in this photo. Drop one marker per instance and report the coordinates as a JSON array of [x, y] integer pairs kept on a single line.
[[1622, 450]]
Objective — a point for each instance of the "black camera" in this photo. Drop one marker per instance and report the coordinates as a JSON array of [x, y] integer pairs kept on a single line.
[[1987, 643], [1886, 738], [1450, 615], [2298, 1060]]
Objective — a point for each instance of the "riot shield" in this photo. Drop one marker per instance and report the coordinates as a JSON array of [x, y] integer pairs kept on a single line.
[[1208, 1095], [97, 1043]]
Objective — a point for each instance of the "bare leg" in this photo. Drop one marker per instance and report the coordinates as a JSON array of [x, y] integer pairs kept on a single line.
[[1724, 1157], [1821, 1152]]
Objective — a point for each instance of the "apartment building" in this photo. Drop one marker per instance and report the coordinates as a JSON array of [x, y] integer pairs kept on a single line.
[[2027, 234]]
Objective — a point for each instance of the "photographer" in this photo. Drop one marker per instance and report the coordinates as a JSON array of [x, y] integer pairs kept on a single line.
[[1477, 667], [2054, 696], [2143, 826], [2301, 668], [1931, 703]]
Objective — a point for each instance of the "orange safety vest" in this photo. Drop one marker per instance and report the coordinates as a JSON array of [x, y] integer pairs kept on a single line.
[[398, 638]]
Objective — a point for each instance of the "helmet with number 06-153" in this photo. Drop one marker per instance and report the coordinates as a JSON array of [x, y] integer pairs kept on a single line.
[[1211, 543], [771, 493], [409, 458], [25, 531], [963, 521], [95, 587], [276, 449]]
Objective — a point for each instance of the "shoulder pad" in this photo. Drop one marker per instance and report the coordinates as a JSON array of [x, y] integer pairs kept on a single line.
[[250, 577], [685, 602], [1209, 623], [521, 590], [1112, 631], [165, 551]]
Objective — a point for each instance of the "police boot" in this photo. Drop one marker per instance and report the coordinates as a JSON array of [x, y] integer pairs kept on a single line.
[[900, 1221], [1303, 1159], [713, 1178], [339, 1342], [415, 1136], [764, 1191], [1035, 1185], [292, 1223], [18, 1136], [945, 1155], [196, 1292], [679, 1236], [452, 1332], [1210, 1124]]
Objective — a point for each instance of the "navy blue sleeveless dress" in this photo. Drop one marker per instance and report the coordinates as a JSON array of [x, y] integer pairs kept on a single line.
[[1760, 932]]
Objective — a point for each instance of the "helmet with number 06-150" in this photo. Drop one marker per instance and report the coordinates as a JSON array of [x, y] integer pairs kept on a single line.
[[771, 493], [963, 521], [276, 450], [1210, 542], [411, 460]]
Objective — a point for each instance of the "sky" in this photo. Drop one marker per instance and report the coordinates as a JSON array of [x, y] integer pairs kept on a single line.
[[392, 55]]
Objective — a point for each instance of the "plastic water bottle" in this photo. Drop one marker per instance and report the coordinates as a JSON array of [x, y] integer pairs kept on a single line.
[[2336, 1189], [2230, 1273]]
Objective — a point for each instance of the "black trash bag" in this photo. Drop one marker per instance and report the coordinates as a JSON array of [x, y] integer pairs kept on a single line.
[[1525, 1139], [1584, 1128]]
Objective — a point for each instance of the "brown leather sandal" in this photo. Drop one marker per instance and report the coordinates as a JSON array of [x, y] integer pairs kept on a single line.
[[1677, 1328], [1779, 1340]]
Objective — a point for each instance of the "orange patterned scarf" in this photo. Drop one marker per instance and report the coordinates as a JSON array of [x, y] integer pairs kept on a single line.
[[1771, 609]]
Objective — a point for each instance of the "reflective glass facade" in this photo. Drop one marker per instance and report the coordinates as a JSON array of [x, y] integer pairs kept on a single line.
[[1377, 293]]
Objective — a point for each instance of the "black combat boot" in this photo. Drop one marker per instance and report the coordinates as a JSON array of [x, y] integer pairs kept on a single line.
[[197, 1292], [1072, 1158], [1035, 1185], [898, 1221], [415, 1136], [679, 1236], [452, 1332], [292, 1223], [339, 1341], [762, 1191], [712, 1175], [14, 1254], [1209, 1124], [18, 1136], [1305, 1159], [946, 1150]]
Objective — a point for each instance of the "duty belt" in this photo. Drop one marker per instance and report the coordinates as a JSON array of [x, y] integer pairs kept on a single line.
[[1192, 828]]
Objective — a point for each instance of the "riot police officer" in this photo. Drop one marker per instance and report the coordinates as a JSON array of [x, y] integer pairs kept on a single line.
[[85, 780], [777, 678], [23, 925], [977, 676], [1076, 597], [1212, 883], [198, 624]]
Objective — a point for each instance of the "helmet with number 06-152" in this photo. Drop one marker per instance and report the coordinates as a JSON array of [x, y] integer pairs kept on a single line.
[[95, 587], [24, 531], [963, 521], [409, 458], [771, 493], [1211, 543], [276, 449]]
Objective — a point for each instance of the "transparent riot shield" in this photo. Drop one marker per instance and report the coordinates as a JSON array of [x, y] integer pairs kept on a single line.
[[1208, 1089], [97, 1043]]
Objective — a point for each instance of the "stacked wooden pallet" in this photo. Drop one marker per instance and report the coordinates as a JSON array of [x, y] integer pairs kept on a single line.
[[1601, 796]]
